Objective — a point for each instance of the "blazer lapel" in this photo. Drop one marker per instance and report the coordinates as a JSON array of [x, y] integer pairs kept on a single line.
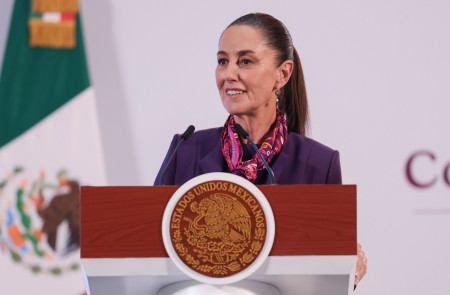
[[212, 161], [278, 166]]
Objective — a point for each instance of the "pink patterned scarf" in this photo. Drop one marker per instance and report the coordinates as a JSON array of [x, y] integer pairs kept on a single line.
[[232, 149]]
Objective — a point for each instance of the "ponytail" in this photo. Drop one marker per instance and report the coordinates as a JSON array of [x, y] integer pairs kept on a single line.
[[293, 100]]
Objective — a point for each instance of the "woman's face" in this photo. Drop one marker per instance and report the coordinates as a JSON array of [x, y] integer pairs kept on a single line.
[[246, 72]]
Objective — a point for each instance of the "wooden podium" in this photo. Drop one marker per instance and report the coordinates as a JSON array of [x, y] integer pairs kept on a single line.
[[314, 251]]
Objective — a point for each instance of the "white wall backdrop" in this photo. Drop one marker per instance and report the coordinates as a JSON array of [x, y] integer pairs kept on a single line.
[[377, 75]]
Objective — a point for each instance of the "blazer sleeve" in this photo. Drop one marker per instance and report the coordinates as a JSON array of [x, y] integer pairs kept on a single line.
[[169, 179], [334, 170]]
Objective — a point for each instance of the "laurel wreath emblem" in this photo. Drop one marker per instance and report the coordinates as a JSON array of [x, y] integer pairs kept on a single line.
[[233, 266]]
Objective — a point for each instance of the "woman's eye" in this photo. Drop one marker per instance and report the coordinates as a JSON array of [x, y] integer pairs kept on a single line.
[[246, 61], [221, 61]]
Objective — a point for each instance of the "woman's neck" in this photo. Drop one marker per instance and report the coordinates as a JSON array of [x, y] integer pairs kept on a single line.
[[258, 128]]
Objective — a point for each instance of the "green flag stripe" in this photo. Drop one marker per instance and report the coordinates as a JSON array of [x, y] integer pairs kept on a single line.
[[34, 82], [36, 15]]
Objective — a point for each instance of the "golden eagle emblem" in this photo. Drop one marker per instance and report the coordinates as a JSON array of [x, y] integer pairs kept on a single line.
[[226, 223], [221, 216]]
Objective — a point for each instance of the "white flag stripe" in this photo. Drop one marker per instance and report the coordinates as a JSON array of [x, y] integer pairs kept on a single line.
[[51, 17]]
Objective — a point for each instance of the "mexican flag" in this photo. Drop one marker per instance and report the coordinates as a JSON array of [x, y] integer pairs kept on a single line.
[[49, 146]]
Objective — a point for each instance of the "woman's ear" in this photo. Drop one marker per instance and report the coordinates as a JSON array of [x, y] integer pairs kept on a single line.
[[284, 73]]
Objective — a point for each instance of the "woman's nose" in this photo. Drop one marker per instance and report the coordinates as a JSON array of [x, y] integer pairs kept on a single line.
[[231, 73]]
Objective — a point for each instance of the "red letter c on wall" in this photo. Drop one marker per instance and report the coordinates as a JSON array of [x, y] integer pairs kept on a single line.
[[409, 173]]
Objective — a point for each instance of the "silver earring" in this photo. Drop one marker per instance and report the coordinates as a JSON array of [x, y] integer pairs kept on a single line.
[[277, 92]]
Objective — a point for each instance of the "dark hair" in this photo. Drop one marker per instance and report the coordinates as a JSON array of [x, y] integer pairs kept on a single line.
[[292, 99]]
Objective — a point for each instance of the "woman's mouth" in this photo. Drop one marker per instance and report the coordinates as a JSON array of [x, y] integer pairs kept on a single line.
[[234, 92]]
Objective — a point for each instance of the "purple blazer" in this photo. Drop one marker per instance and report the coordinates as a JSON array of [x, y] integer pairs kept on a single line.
[[301, 160]]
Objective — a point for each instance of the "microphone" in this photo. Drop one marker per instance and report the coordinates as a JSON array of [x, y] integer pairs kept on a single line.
[[188, 132], [184, 137], [242, 133]]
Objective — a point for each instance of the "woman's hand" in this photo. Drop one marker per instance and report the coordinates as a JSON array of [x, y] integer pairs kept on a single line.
[[361, 265]]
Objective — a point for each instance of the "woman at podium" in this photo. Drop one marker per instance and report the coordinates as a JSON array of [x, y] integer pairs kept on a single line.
[[260, 81]]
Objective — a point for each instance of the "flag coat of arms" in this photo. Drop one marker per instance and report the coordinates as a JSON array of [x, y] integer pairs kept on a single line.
[[49, 145]]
